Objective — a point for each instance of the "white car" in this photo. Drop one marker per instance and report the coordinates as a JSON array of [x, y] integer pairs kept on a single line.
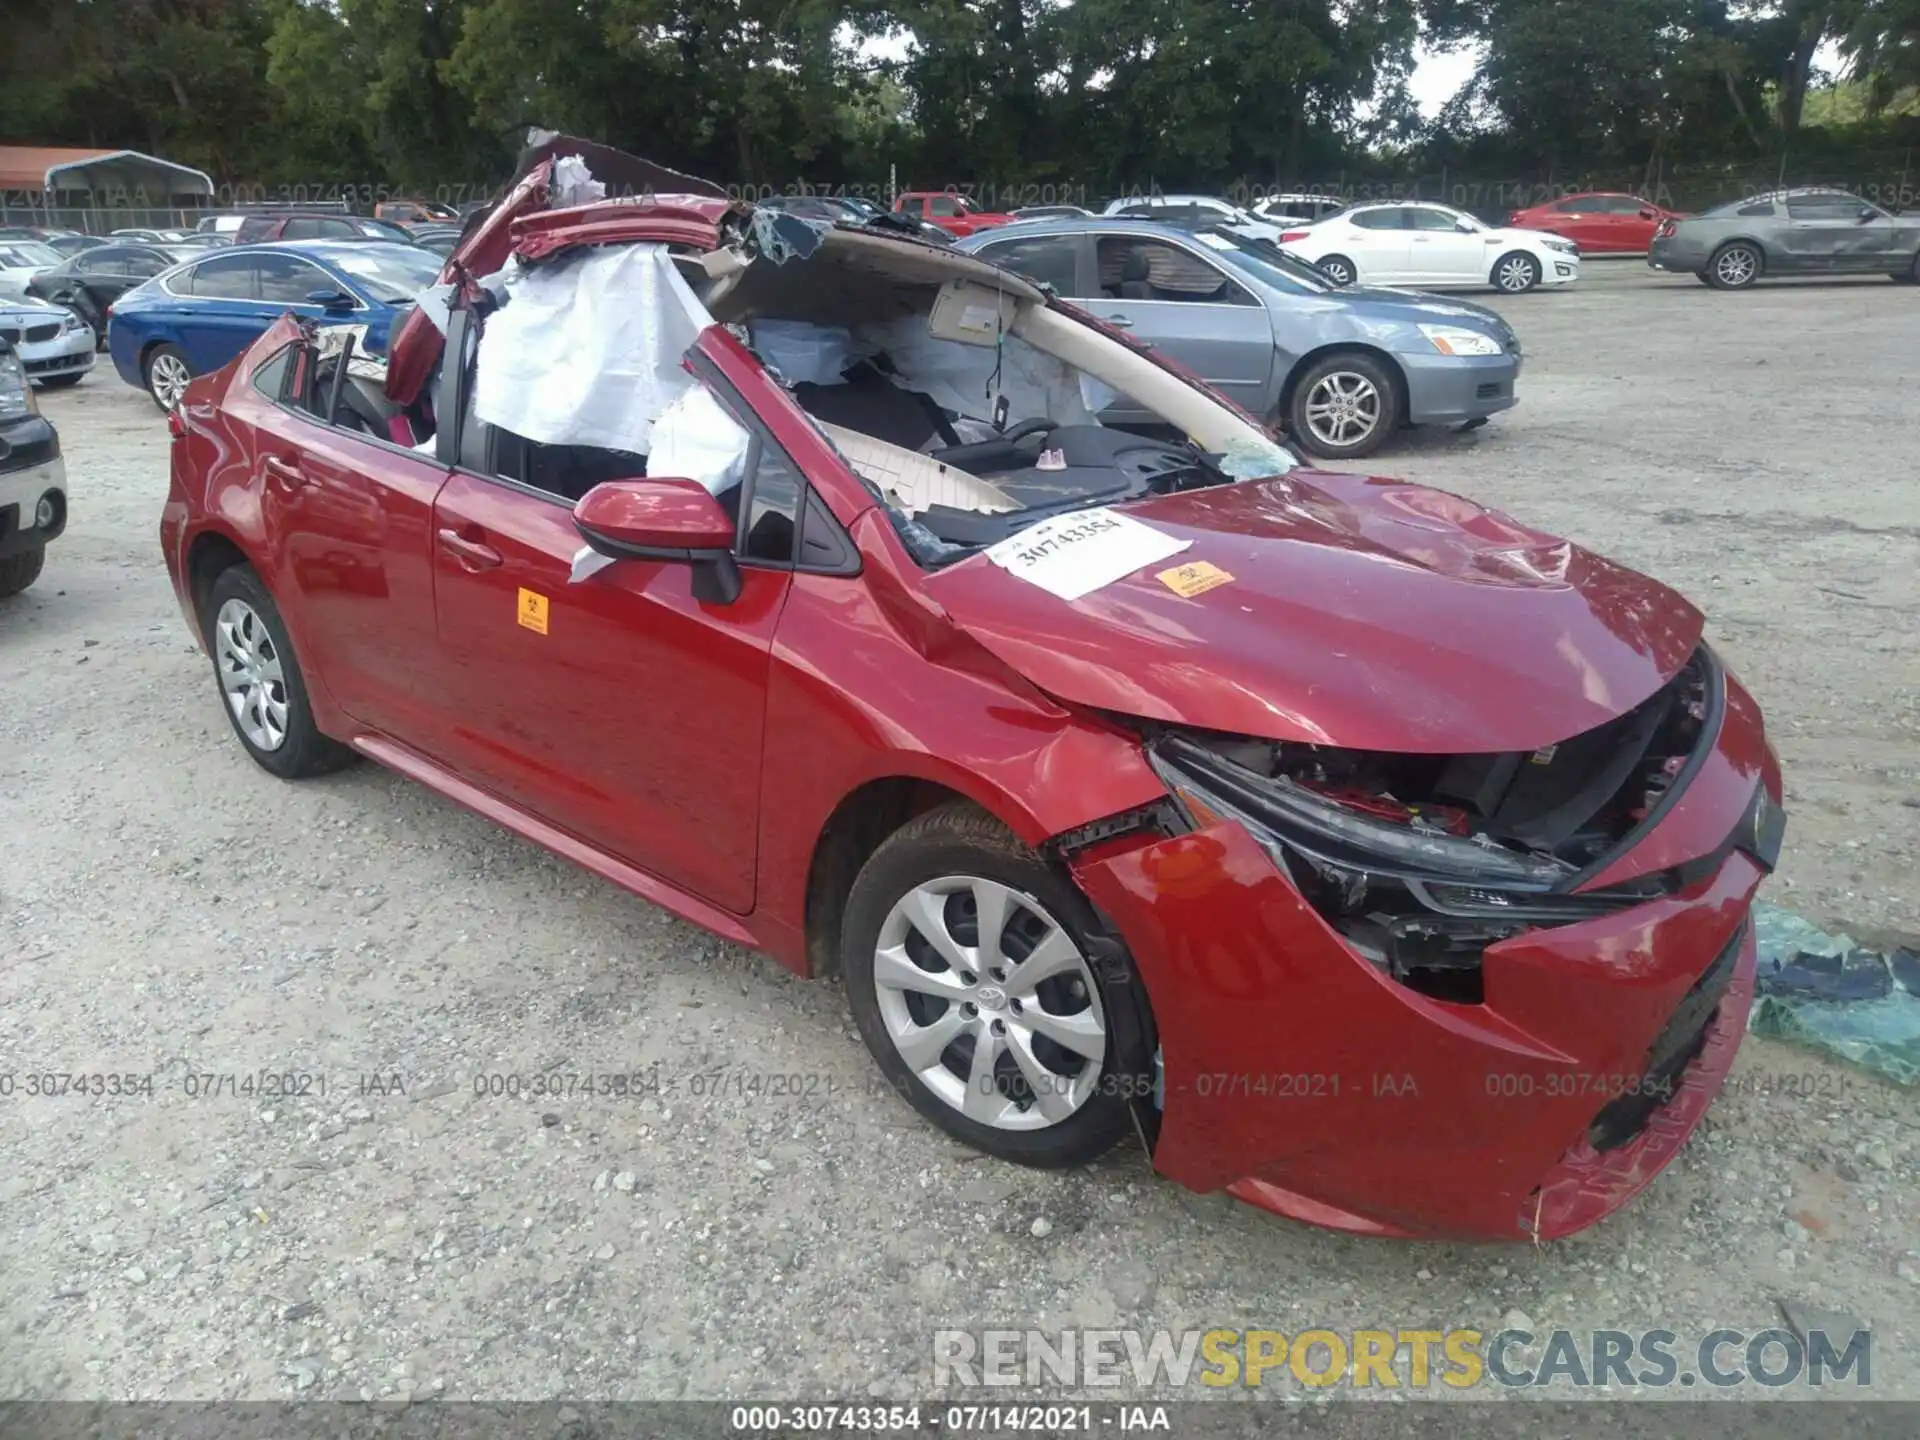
[[20, 261], [1432, 247], [55, 345], [1289, 211], [1191, 212]]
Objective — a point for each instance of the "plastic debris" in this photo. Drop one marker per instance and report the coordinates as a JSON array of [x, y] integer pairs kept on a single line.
[[1829, 993]]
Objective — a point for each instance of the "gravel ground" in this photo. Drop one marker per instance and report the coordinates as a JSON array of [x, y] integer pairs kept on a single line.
[[167, 909]]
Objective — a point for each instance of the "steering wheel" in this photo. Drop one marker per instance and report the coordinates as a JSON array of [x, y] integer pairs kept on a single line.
[[1037, 426]]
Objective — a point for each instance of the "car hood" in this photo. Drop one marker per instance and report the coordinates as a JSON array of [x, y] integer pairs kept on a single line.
[[1418, 305], [30, 311], [1361, 613]]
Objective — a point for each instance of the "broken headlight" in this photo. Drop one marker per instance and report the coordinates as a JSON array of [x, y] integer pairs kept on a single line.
[[1413, 886]]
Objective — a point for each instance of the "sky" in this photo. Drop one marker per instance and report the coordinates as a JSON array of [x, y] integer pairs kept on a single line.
[[1438, 76]]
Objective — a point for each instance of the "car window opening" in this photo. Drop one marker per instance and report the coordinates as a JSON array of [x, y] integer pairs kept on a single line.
[[971, 408]]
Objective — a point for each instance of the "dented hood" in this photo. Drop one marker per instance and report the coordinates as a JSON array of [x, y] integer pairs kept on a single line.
[[1365, 614]]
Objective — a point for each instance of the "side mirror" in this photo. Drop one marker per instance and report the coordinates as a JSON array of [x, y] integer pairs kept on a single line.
[[334, 302], [664, 519], [1649, 214], [1867, 214], [1463, 227]]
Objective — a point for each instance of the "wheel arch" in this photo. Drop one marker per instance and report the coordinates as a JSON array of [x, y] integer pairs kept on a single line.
[[1343, 347], [210, 553], [1766, 259]]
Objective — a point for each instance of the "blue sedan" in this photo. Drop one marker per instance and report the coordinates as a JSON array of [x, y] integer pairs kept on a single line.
[[197, 316]]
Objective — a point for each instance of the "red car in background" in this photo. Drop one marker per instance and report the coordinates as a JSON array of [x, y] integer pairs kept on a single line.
[[1599, 223], [951, 212], [1362, 851]]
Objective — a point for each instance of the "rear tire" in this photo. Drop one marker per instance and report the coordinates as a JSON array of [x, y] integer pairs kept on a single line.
[[928, 986], [1339, 269], [17, 572], [1344, 406], [261, 687], [1735, 266], [166, 372]]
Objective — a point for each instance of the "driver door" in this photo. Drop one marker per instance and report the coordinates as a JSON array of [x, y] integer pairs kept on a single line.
[[1443, 254], [620, 708]]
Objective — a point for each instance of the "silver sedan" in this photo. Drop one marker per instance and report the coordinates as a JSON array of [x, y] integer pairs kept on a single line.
[[1796, 232], [1342, 368]]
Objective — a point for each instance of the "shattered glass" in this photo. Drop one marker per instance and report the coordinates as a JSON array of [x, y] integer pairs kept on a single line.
[[781, 237], [1828, 993], [1255, 460]]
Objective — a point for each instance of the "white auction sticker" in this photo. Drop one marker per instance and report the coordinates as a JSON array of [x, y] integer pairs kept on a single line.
[[1074, 555]]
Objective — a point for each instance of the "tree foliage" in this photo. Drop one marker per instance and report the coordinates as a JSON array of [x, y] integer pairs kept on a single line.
[[999, 93]]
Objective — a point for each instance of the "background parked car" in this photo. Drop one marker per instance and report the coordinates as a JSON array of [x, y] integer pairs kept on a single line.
[[1290, 210], [198, 317], [90, 282], [409, 213], [20, 261], [67, 246], [1193, 212], [311, 225], [440, 238], [1432, 246], [55, 346], [33, 479], [1795, 232], [953, 213], [1052, 212], [150, 237], [1600, 223], [855, 211], [1342, 368]]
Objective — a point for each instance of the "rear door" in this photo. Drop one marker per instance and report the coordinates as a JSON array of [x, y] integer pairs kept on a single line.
[[353, 520], [1378, 241], [222, 313], [1169, 295]]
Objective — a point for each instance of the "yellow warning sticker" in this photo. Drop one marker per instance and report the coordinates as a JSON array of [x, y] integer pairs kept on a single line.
[[533, 611], [1195, 579]]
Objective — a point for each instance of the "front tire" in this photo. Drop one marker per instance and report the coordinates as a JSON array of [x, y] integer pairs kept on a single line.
[[62, 382], [966, 959], [17, 572], [1735, 266], [1339, 269], [167, 373], [261, 687], [1910, 275], [1344, 407], [1516, 272]]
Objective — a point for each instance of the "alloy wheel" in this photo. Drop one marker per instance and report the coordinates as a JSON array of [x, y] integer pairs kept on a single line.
[[1343, 408], [167, 378], [1516, 274], [990, 1003], [1736, 266], [251, 675]]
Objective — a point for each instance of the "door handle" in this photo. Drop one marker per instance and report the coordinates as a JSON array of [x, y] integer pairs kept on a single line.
[[1119, 322], [287, 472], [470, 553]]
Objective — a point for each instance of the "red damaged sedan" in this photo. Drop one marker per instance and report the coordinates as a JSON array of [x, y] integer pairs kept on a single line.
[[1362, 851]]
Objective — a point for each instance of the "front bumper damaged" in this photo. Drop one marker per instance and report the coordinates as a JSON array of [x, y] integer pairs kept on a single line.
[[1303, 1078]]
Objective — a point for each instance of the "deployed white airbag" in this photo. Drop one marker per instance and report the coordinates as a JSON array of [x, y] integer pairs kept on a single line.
[[695, 438], [587, 351], [963, 379]]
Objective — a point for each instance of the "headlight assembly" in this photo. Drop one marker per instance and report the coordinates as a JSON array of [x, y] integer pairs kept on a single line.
[[1452, 340]]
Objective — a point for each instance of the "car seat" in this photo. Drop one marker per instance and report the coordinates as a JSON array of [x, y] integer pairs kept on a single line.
[[1136, 277]]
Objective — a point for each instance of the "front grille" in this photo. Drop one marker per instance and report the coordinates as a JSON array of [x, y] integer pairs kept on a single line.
[[32, 335], [1673, 1049]]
